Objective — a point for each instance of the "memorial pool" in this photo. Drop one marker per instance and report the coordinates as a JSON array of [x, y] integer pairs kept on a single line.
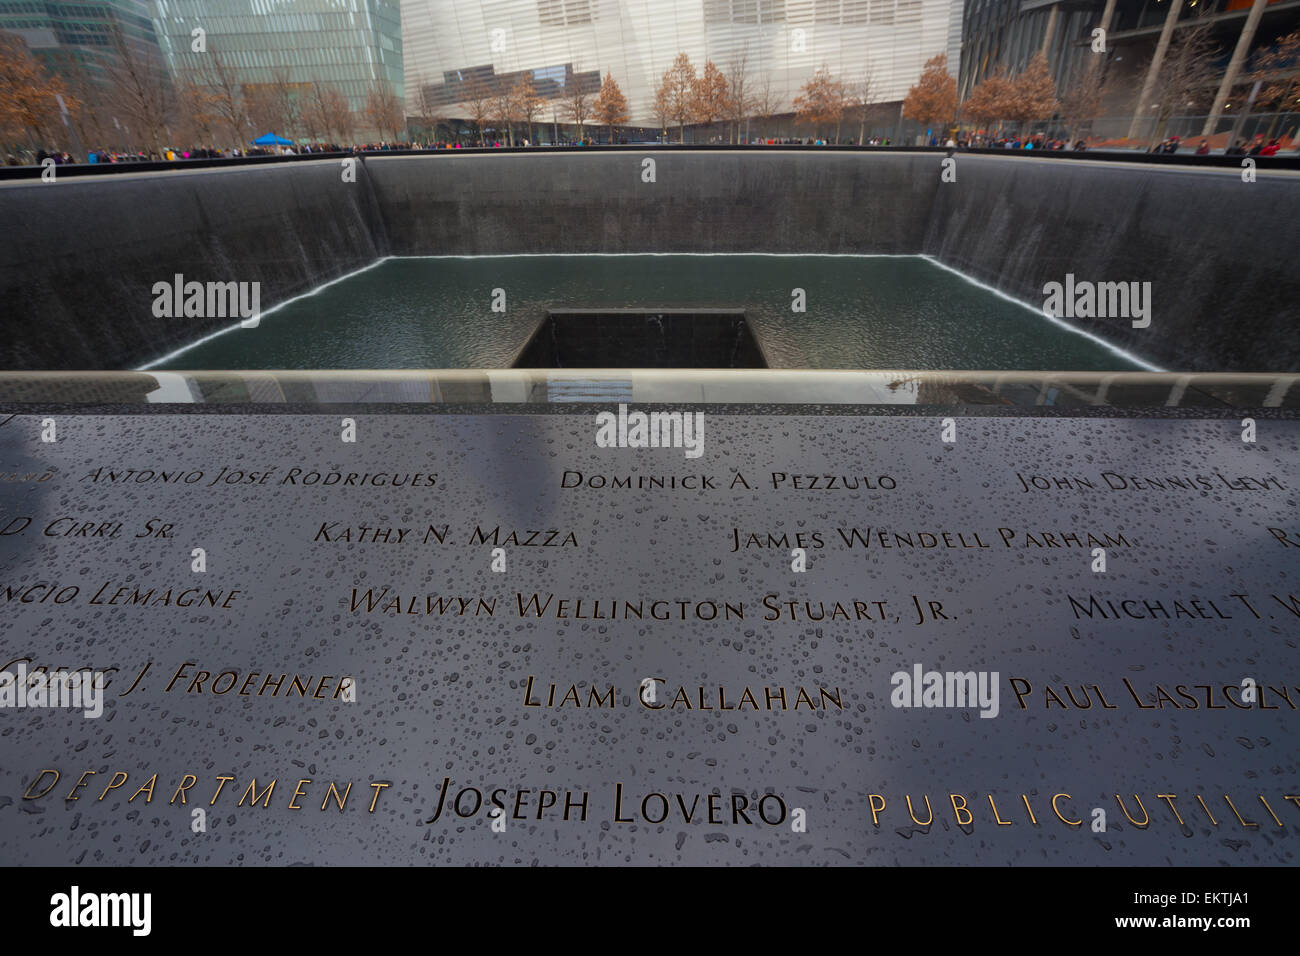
[[859, 312]]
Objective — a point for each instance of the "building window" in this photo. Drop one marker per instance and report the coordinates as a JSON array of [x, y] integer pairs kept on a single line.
[[564, 13], [855, 12]]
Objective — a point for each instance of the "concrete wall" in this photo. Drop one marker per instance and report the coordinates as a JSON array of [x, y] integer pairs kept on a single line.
[[79, 257], [76, 273]]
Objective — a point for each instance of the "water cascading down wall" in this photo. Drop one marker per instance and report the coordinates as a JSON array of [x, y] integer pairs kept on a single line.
[[79, 258]]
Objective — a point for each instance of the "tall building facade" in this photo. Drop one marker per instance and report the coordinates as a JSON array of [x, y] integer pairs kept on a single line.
[[73, 35], [351, 45], [449, 43], [1138, 35]]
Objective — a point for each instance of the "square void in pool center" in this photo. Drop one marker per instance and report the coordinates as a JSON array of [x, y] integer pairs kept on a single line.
[[799, 311], [645, 338]]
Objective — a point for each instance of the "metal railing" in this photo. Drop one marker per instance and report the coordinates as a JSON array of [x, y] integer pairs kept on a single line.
[[979, 392]]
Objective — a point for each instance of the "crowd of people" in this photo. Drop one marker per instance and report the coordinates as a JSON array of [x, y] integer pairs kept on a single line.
[[1259, 146], [1000, 141], [1256, 147], [107, 156], [171, 154]]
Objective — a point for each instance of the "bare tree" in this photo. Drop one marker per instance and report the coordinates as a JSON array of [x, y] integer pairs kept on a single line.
[[1081, 104], [274, 107], [93, 121], [325, 111], [198, 117], [663, 110], [1277, 70], [222, 80], [861, 100], [139, 88], [310, 117], [528, 104], [336, 113], [576, 106], [503, 111], [263, 114], [385, 110], [1187, 73], [477, 100], [767, 102], [740, 95], [283, 94], [432, 114]]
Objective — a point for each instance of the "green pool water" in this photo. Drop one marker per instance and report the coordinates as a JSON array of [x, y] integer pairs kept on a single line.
[[860, 313]]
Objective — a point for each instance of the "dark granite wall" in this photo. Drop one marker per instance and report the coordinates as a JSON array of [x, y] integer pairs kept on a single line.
[[596, 201], [78, 259], [1220, 253]]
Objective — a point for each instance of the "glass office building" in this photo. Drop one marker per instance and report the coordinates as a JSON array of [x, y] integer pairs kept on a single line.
[[348, 44], [447, 43], [68, 35], [1006, 34]]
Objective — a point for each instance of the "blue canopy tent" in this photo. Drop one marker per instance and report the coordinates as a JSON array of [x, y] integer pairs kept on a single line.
[[270, 139]]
